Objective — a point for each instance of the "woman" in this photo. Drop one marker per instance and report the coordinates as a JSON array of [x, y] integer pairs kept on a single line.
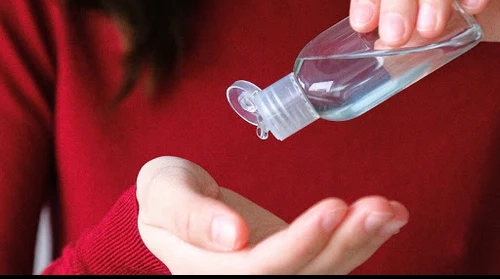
[[77, 130]]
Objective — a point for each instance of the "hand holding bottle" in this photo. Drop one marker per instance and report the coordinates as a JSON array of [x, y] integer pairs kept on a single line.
[[196, 227], [398, 19]]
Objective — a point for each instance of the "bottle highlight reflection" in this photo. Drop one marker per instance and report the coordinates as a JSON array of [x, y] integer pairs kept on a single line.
[[341, 74]]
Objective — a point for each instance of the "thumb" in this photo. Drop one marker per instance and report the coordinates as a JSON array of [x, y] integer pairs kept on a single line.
[[182, 198]]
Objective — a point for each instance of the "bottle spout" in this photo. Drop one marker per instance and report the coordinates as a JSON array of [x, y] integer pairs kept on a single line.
[[282, 108], [240, 96]]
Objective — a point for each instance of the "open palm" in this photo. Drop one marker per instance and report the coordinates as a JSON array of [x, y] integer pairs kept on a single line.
[[196, 227]]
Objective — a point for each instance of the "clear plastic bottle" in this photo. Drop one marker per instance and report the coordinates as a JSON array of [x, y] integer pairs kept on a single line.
[[341, 74]]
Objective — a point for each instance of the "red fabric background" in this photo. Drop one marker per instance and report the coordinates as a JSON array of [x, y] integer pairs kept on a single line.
[[435, 146]]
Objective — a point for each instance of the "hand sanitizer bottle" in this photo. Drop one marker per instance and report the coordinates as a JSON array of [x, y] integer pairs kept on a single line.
[[341, 74]]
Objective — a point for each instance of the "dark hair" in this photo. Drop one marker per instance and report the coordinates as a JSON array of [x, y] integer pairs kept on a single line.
[[156, 38]]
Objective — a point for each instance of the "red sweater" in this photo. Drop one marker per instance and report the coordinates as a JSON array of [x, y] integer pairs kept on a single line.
[[435, 146]]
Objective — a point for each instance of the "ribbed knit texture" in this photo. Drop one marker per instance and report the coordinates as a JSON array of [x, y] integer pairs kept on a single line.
[[114, 246], [435, 147]]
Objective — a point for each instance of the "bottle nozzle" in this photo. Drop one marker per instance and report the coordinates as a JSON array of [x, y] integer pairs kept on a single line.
[[282, 108]]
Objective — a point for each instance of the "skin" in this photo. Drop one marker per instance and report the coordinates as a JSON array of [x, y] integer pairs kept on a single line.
[[195, 226], [186, 218], [398, 19]]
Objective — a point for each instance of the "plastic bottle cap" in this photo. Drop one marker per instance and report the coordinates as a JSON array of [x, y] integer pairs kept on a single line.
[[282, 108]]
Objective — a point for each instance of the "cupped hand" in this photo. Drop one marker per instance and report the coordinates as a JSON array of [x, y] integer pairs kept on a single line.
[[196, 227], [397, 20]]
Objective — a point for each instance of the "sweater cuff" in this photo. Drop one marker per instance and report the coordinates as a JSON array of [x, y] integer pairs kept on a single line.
[[114, 246]]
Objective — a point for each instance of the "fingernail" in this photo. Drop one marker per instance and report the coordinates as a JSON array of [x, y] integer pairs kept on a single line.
[[375, 221], [392, 28], [470, 4], [332, 219], [363, 13], [427, 18], [392, 228], [224, 232]]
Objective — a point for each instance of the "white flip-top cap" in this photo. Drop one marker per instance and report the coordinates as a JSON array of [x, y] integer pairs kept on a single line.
[[282, 108]]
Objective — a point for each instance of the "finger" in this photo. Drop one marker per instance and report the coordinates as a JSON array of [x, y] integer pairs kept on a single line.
[[261, 222], [182, 258], [363, 15], [474, 7], [179, 255], [397, 21], [180, 197], [289, 250], [282, 253], [370, 222], [433, 15], [488, 19]]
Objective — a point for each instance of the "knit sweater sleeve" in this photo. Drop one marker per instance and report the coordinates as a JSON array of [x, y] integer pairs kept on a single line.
[[28, 53], [112, 247]]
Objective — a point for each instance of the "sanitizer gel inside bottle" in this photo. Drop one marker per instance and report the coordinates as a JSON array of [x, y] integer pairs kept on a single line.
[[342, 74]]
